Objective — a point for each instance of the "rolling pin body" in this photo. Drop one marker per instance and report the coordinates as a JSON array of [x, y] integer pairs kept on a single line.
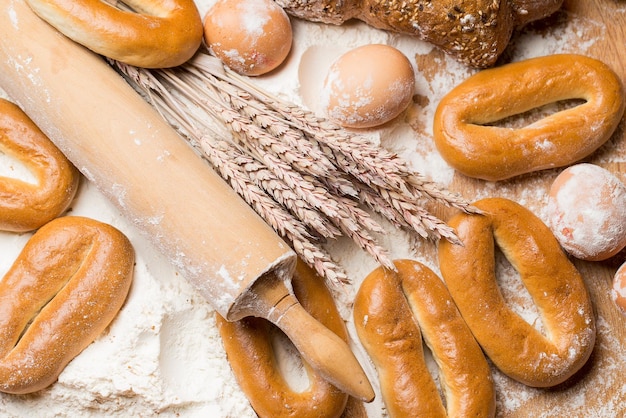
[[140, 163]]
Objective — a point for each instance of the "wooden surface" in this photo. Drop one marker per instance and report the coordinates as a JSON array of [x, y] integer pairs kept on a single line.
[[598, 390]]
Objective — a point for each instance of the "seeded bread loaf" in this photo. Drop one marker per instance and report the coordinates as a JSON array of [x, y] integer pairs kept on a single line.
[[473, 31]]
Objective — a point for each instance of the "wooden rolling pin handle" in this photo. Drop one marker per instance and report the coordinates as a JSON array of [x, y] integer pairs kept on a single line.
[[326, 352]]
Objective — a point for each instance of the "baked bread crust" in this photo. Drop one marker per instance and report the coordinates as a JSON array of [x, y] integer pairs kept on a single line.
[[475, 32], [62, 291], [248, 346], [26, 206], [535, 358], [156, 34], [392, 311], [465, 127]]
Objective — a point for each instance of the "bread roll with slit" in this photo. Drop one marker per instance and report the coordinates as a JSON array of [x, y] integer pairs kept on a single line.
[[63, 290], [392, 312]]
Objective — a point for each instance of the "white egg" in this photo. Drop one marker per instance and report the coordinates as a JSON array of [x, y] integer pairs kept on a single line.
[[252, 37], [618, 293], [368, 86]]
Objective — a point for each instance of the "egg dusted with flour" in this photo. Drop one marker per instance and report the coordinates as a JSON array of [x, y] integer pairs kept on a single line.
[[587, 212], [368, 86], [618, 292], [252, 37]]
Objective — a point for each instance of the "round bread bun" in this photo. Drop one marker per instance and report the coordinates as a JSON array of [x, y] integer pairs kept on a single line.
[[587, 212]]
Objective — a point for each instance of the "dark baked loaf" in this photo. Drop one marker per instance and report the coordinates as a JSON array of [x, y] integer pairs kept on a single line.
[[475, 32]]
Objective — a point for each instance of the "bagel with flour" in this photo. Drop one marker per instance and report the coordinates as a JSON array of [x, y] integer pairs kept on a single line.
[[152, 34], [466, 130], [248, 345], [524, 353], [25, 205]]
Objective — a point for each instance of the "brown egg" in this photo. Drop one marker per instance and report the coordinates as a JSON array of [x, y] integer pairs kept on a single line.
[[368, 86], [618, 294], [587, 212], [252, 37]]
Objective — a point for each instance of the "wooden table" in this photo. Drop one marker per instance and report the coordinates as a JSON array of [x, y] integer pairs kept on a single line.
[[599, 389]]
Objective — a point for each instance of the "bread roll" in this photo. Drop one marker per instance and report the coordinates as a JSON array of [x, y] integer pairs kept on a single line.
[[392, 310], [515, 346], [465, 127], [62, 291], [26, 206], [248, 345], [155, 34]]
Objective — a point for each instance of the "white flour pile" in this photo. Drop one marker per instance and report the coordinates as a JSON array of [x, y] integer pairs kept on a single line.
[[162, 355]]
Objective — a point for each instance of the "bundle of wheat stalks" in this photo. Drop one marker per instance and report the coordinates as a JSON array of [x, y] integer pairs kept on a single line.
[[305, 176]]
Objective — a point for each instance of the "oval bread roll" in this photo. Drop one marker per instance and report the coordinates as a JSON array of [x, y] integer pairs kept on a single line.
[[62, 291], [392, 311], [515, 346]]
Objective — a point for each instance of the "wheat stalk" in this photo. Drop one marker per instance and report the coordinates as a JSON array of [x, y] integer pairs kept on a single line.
[[352, 152], [303, 227], [305, 176]]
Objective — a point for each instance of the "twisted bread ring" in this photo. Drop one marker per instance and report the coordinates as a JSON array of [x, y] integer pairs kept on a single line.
[[466, 140], [249, 350], [157, 34], [390, 309], [62, 291], [25, 206], [516, 347]]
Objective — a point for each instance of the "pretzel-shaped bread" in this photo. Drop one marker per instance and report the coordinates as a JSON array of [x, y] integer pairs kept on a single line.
[[515, 346]]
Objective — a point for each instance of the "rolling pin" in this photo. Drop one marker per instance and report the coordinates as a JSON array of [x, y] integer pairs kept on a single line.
[[124, 147]]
